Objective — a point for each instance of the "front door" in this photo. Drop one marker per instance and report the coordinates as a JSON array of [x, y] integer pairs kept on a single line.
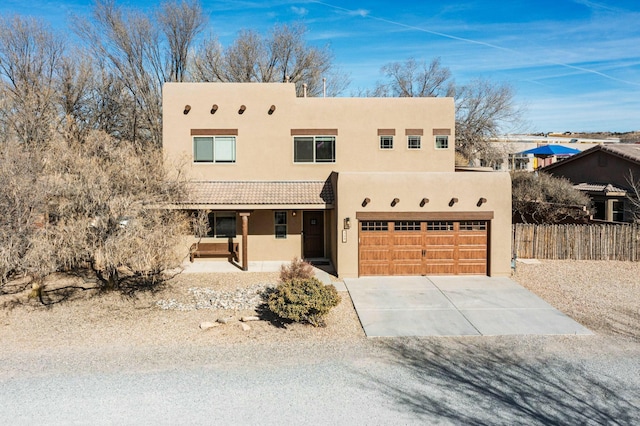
[[313, 234]]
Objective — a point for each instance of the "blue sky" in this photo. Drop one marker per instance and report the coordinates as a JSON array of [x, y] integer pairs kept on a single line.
[[574, 64]]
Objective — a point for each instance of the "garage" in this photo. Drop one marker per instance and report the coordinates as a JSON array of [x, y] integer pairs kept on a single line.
[[423, 247]]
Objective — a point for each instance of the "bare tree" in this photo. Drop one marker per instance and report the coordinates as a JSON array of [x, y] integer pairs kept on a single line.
[[281, 56], [74, 87], [181, 22], [130, 45], [144, 53], [483, 110], [542, 198], [633, 196], [29, 56], [413, 78]]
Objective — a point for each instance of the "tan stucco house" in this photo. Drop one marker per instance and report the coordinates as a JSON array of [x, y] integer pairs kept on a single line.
[[368, 184]]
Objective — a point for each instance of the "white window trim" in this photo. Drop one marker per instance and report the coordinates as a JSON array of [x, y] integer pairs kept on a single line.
[[380, 147], [435, 141], [419, 142]]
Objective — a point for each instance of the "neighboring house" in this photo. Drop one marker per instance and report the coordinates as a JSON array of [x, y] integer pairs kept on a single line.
[[603, 172], [511, 148], [367, 184]]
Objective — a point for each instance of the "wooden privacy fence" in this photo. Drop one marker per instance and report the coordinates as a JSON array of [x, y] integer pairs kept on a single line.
[[577, 242]]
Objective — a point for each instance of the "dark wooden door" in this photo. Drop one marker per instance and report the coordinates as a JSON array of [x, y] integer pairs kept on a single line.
[[313, 234]]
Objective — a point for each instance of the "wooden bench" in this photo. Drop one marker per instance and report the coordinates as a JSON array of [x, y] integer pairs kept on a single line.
[[228, 249]]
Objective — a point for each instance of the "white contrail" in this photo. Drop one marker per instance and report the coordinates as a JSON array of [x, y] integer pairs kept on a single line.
[[365, 14]]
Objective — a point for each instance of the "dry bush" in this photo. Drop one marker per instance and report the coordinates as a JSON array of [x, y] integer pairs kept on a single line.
[[297, 269], [303, 300], [21, 203], [98, 204], [542, 198]]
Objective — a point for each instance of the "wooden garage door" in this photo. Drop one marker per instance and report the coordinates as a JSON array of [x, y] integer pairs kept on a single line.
[[423, 247]]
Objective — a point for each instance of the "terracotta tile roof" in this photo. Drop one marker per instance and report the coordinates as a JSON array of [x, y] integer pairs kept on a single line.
[[598, 187], [259, 192]]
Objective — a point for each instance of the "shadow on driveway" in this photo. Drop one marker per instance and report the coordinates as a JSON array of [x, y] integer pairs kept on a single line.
[[473, 383]]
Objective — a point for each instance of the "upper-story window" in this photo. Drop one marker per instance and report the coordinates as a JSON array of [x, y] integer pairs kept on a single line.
[[386, 142], [314, 149], [214, 149], [442, 142], [414, 141]]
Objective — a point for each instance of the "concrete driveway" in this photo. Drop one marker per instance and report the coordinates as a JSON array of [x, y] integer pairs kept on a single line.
[[453, 306]]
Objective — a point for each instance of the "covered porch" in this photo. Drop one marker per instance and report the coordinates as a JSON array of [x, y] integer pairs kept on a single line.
[[265, 220]]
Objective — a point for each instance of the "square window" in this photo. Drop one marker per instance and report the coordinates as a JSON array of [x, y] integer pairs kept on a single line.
[[386, 142], [280, 221], [225, 224], [413, 142], [442, 142]]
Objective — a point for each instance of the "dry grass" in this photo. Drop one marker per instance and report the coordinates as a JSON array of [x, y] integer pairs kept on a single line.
[[90, 319]]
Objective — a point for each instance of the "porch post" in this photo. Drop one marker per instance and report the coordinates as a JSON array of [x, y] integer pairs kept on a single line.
[[245, 233]]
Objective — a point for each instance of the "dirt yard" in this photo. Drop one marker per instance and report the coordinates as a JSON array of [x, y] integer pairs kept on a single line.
[[603, 296]]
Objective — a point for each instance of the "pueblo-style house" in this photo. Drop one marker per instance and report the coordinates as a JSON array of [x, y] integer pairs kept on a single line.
[[368, 184]]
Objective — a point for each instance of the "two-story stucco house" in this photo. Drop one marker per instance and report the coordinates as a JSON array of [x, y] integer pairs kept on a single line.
[[368, 184]]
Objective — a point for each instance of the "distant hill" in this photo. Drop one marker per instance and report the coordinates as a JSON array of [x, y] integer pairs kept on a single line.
[[625, 137]]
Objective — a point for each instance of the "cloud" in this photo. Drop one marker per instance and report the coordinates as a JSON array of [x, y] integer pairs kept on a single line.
[[359, 12], [300, 11], [598, 6]]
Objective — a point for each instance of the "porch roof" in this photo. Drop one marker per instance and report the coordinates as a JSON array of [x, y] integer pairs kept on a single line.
[[599, 187], [260, 193]]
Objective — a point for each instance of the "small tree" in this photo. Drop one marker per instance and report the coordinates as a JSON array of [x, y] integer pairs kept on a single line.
[[542, 198]]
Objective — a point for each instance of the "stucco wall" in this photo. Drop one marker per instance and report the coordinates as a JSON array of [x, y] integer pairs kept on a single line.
[[439, 188], [264, 145], [262, 243]]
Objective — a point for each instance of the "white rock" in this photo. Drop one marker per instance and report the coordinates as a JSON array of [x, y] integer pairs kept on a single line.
[[245, 327], [247, 319], [207, 325], [226, 320]]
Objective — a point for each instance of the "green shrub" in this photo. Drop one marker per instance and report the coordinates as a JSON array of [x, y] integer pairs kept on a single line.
[[297, 269], [303, 300]]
